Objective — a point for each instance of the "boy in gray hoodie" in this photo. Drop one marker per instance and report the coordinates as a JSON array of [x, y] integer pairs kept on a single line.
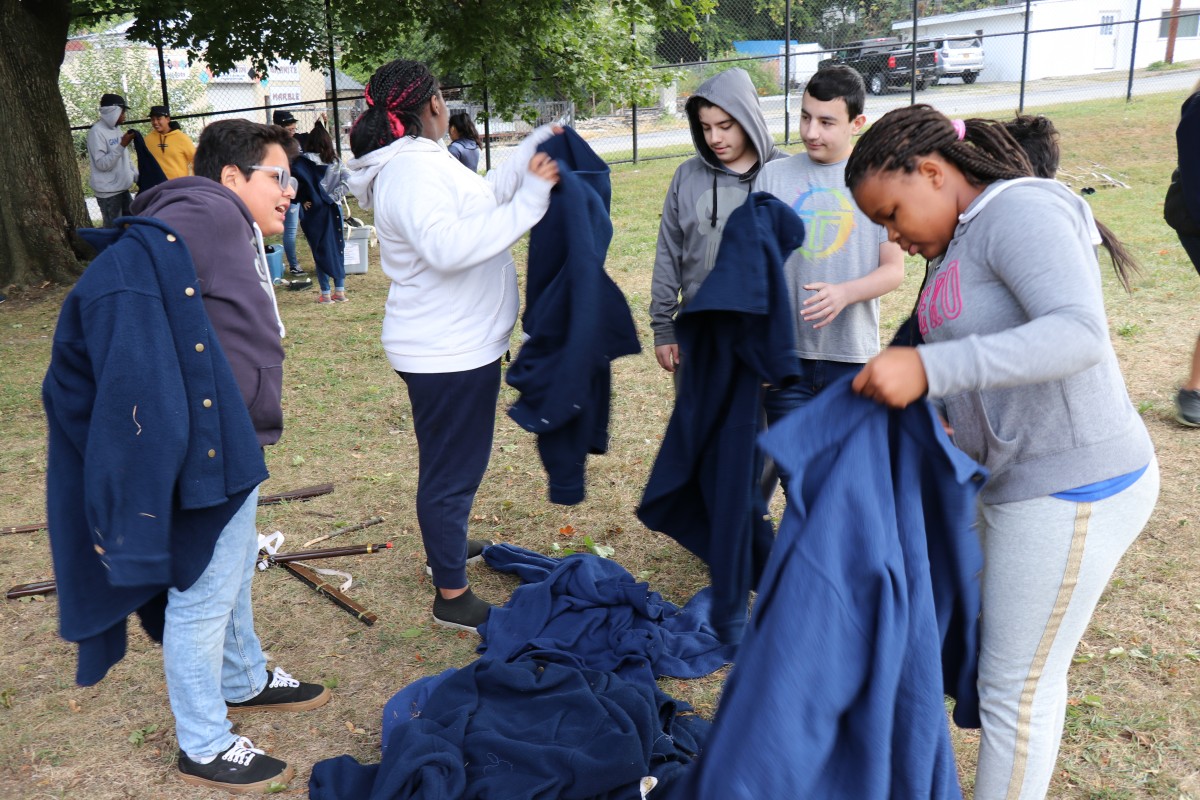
[[112, 169], [732, 144]]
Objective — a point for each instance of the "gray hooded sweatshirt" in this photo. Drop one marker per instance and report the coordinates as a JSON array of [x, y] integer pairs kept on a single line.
[[112, 168], [702, 195], [1019, 350]]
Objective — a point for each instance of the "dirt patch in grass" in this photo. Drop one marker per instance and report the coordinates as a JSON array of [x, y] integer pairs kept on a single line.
[[1133, 727]]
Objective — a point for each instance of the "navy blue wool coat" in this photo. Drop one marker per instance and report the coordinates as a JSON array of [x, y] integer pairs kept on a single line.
[[735, 335], [151, 448], [867, 615], [576, 320], [321, 222]]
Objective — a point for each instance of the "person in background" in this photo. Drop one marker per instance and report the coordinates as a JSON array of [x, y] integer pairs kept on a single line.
[[171, 147], [284, 119], [846, 262], [464, 140], [323, 186], [112, 174], [1016, 346], [1187, 141], [444, 238], [732, 144]]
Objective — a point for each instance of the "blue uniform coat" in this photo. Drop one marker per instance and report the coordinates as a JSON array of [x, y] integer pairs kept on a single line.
[[867, 614], [151, 449], [576, 320], [735, 335]]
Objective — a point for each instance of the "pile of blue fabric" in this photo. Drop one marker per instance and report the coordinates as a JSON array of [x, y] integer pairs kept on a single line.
[[562, 703]]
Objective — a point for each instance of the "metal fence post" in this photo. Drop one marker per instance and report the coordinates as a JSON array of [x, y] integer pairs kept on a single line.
[[1137, 18], [337, 126], [487, 120], [912, 68], [1024, 59], [162, 65], [633, 43], [787, 72]]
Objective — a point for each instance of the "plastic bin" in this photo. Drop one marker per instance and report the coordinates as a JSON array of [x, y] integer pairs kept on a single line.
[[275, 261], [358, 242]]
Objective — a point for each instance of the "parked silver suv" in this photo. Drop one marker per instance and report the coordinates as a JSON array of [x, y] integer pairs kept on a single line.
[[958, 57]]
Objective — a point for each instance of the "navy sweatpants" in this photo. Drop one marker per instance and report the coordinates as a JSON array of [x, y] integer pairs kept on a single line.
[[454, 417]]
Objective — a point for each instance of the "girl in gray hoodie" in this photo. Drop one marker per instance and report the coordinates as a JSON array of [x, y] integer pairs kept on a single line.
[[1017, 348]]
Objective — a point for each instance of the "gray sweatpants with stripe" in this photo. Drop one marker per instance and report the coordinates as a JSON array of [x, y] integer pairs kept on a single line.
[[1046, 563]]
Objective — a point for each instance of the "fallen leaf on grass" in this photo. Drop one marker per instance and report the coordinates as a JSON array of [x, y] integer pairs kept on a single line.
[[567, 530]]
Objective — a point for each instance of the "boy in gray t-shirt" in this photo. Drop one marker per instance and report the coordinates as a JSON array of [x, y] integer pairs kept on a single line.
[[846, 262]]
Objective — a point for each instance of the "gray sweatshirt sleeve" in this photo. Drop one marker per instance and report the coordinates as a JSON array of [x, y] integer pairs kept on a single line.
[[1054, 325], [667, 280]]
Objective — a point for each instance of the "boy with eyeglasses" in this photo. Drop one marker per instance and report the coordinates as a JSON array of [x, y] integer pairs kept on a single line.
[[164, 386]]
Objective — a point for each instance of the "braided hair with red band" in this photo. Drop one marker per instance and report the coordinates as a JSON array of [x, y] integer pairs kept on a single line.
[[395, 95]]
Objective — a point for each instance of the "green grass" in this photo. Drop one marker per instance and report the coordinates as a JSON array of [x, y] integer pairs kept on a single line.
[[1133, 728]]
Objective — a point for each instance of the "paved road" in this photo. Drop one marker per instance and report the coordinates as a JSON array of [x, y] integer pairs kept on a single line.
[[953, 98]]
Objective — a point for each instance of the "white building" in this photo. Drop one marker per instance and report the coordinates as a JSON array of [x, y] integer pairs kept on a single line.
[[1057, 46]]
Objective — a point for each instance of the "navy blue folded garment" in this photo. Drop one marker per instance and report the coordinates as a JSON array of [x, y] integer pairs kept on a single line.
[[589, 610], [576, 319], [735, 335], [528, 730], [866, 617]]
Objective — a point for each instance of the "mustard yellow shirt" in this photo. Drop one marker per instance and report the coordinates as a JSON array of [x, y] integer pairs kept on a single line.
[[173, 151]]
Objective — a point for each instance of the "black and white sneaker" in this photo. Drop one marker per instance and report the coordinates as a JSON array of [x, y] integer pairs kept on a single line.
[[296, 270], [465, 612], [283, 693], [240, 768], [474, 553], [1187, 408]]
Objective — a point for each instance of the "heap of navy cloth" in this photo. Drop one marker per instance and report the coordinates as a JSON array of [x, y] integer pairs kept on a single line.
[[866, 617], [562, 702], [576, 322], [735, 335]]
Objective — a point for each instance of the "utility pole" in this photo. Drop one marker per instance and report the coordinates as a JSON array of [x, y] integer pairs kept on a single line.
[[1172, 30]]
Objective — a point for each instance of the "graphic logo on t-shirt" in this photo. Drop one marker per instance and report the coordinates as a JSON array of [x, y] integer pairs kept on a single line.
[[828, 216], [941, 300]]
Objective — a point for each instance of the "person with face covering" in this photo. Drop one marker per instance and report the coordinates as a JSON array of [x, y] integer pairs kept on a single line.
[[113, 174]]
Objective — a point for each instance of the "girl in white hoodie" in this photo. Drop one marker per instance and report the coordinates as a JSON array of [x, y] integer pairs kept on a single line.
[[444, 238]]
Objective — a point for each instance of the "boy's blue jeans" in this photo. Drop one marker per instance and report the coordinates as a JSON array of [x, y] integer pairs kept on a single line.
[[291, 221], [210, 651], [815, 376]]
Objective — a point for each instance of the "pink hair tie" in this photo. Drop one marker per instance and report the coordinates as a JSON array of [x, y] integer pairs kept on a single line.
[[960, 128]]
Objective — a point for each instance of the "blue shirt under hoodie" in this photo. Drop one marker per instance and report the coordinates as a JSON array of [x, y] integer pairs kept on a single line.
[[151, 449], [576, 320], [738, 334], [866, 616]]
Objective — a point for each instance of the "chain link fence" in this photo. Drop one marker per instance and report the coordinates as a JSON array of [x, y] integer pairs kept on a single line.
[[979, 57]]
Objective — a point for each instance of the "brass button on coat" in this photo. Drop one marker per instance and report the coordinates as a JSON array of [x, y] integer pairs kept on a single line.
[[199, 347], [170, 237], [189, 291], [212, 453]]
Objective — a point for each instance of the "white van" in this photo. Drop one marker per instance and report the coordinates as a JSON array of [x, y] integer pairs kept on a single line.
[[958, 57]]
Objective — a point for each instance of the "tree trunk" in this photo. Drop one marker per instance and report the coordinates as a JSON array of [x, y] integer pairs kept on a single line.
[[42, 201]]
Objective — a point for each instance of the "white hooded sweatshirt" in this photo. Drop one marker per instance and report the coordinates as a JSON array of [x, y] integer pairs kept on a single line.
[[444, 238]]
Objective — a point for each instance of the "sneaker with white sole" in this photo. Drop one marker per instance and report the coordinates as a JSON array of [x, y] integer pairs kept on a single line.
[[283, 693], [474, 553], [242, 767], [465, 612], [1187, 408]]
